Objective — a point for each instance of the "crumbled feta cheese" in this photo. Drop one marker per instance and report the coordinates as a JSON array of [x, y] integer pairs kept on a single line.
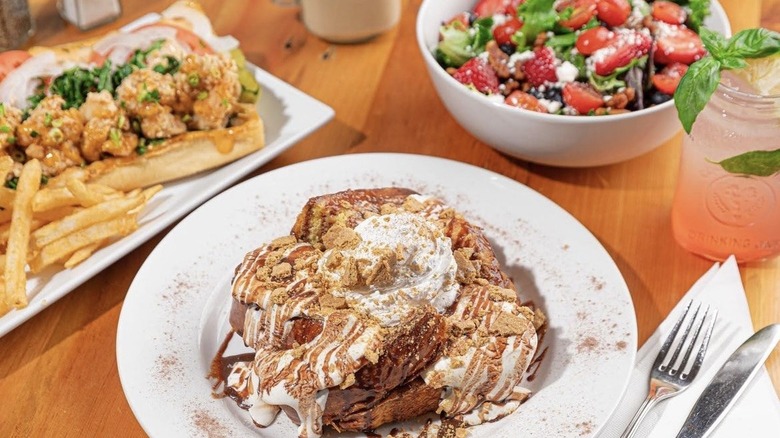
[[522, 57], [484, 55], [498, 20], [496, 98], [566, 72], [552, 106]]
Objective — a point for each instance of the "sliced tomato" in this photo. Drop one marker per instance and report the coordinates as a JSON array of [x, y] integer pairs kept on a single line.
[[503, 33], [613, 12], [521, 99], [582, 97], [629, 45], [667, 80], [581, 12], [678, 45], [593, 39], [488, 8], [668, 12], [10, 60], [187, 37]]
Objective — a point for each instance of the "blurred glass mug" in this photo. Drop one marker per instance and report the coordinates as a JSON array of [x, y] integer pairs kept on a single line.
[[347, 21], [17, 24], [728, 192]]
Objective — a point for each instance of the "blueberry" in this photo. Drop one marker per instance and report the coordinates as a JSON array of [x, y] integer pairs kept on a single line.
[[549, 93], [657, 98], [507, 48]]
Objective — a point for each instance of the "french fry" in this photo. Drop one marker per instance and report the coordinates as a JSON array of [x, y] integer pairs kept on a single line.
[[63, 248], [82, 254], [19, 235], [53, 197], [69, 174], [6, 164], [5, 229], [5, 216], [84, 196], [7, 197], [84, 218]]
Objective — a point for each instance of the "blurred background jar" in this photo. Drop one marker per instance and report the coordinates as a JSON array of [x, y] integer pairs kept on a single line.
[[347, 21], [728, 192], [88, 14], [16, 25]]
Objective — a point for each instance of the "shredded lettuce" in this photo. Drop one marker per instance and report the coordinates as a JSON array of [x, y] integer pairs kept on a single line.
[[458, 45]]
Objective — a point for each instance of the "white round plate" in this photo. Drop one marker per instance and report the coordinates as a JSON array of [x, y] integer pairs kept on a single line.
[[175, 315]]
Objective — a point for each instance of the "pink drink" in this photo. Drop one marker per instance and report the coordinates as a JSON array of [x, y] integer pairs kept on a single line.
[[717, 213]]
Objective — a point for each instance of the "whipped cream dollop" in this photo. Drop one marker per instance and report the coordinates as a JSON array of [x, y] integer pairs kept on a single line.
[[401, 261]]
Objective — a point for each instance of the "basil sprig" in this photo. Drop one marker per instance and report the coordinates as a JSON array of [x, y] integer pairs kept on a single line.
[[702, 78]]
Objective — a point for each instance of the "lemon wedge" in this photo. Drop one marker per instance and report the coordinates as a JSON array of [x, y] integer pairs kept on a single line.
[[763, 74]]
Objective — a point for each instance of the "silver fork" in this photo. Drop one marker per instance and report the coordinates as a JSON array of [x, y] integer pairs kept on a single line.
[[666, 379]]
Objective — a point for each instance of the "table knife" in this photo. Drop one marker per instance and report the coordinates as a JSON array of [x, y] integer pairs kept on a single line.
[[729, 383]]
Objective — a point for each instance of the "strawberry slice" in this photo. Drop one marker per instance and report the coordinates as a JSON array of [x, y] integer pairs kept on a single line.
[[521, 99], [630, 44], [678, 44], [594, 39], [582, 97], [541, 68], [478, 73], [667, 80]]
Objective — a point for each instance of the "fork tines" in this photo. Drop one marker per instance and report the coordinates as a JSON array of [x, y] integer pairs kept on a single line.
[[672, 365]]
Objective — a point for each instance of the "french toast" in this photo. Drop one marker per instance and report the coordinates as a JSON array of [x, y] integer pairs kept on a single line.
[[381, 305]]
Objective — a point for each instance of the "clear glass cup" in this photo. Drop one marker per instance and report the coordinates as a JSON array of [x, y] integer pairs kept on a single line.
[[17, 24], [715, 212]]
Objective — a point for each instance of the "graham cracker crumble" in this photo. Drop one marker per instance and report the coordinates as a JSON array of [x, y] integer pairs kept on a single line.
[[340, 237]]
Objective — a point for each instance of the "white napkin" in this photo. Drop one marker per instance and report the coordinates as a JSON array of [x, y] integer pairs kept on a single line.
[[757, 412]]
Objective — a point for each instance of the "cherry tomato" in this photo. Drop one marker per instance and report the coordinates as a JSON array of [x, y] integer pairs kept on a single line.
[[613, 12], [667, 80], [511, 7], [524, 100], [503, 33], [582, 97], [679, 45], [488, 8], [10, 60], [668, 12], [582, 11], [593, 39], [629, 45]]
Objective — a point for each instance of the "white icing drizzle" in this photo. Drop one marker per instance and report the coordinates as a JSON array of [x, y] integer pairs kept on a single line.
[[492, 367]]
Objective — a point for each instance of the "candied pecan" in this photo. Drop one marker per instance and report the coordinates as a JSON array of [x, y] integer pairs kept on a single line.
[[517, 72], [509, 86], [621, 99], [541, 38], [497, 59]]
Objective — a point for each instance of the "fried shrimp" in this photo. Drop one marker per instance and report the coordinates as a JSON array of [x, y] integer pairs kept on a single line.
[[107, 130], [52, 135], [149, 96], [208, 90]]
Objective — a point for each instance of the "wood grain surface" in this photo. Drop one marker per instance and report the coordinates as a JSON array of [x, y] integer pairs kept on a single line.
[[58, 372]]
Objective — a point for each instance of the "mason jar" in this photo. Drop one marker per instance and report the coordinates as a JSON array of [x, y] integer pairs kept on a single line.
[[727, 199]]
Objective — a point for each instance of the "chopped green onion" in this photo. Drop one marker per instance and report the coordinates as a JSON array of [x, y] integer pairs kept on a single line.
[[33, 133], [5, 129], [193, 79], [2, 109], [202, 95], [11, 139], [47, 119], [56, 134], [56, 123], [115, 136], [186, 118]]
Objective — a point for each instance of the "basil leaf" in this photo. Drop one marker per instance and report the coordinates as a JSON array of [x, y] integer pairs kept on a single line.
[[758, 163], [732, 63], [714, 42], [754, 43], [695, 89]]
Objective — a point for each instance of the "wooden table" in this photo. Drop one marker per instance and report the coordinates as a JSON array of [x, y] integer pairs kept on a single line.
[[58, 373]]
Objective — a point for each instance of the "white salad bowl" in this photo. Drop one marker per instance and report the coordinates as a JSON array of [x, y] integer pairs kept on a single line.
[[550, 139]]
